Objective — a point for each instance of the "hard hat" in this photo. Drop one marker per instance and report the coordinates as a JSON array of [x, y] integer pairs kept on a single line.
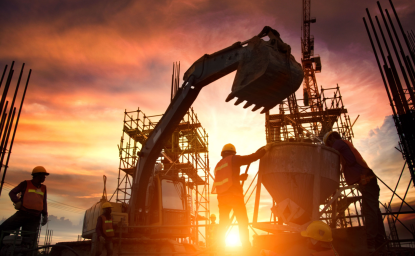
[[319, 231], [39, 169], [106, 205], [229, 147], [326, 136], [212, 216]]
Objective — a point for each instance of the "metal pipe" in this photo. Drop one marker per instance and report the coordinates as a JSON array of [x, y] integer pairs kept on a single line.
[[4, 72], [6, 134], [405, 76], [394, 70], [403, 34], [412, 69], [388, 73], [3, 118], [395, 193], [397, 183], [14, 132], [172, 83], [380, 69], [2, 155], [395, 217], [400, 207], [6, 89], [412, 41], [14, 97]]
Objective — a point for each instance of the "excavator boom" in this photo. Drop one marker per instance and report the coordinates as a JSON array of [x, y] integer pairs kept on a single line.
[[267, 73]]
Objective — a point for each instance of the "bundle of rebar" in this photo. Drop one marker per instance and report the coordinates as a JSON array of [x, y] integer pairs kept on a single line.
[[401, 94], [8, 119]]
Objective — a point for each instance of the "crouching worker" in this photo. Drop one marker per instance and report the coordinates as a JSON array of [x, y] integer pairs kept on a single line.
[[104, 232], [320, 237]]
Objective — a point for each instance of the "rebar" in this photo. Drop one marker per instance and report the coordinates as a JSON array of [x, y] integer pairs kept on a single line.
[[9, 112]]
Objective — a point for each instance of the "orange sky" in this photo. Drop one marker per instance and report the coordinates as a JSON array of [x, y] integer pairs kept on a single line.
[[92, 60]]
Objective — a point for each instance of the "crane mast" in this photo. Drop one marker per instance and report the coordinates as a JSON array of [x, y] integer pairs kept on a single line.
[[311, 65]]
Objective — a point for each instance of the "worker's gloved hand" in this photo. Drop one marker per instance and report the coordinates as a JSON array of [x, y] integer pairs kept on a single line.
[[44, 220], [18, 205], [268, 146], [243, 176], [102, 239]]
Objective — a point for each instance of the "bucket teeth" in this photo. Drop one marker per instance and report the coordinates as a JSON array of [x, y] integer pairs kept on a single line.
[[238, 101], [265, 110], [248, 104], [256, 108], [229, 98]]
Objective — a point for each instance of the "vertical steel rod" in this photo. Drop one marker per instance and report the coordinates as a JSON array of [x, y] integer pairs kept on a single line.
[[388, 73], [394, 71], [14, 133], [6, 89], [405, 76], [380, 68], [9, 124], [2, 76], [3, 118], [403, 34], [14, 96]]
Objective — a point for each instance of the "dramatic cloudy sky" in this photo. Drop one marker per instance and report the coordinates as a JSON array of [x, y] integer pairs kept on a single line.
[[91, 60]]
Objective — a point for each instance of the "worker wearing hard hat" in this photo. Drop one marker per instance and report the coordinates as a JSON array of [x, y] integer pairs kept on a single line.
[[356, 171], [320, 238], [104, 231], [230, 192], [212, 230], [29, 198]]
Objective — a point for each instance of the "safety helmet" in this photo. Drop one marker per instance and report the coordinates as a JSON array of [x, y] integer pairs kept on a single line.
[[319, 231], [229, 147], [213, 216], [326, 137], [106, 205], [40, 170]]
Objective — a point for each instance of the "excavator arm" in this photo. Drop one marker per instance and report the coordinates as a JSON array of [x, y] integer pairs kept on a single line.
[[267, 73]]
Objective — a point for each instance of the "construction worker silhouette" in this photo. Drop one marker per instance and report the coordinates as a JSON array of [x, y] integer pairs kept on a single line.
[[104, 232], [230, 192], [356, 171], [29, 198]]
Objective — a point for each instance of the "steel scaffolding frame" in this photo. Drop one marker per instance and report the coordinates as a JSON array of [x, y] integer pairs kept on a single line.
[[400, 89], [186, 155], [322, 111]]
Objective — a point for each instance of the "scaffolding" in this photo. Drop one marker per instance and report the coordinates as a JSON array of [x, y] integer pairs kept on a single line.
[[185, 155], [399, 82], [321, 111]]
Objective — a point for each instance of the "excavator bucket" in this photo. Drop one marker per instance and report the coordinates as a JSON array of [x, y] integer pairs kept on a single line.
[[267, 74]]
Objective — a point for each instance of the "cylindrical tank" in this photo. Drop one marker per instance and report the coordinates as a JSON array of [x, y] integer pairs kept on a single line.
[[288, 171]]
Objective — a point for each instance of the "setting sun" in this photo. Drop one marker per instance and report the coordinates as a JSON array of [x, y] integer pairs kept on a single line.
[[233, 238]]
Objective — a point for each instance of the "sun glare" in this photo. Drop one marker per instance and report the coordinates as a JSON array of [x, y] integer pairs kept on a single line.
[[233, 238]]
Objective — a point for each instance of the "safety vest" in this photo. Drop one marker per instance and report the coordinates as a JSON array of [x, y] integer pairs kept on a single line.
[[33, 196], [223, 176], [107, 227], [357, 155], [212, 229]]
